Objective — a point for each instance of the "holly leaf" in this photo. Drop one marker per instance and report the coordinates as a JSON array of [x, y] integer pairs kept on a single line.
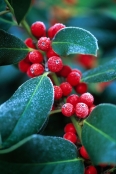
[[20, 8], [12, 49], [99, 134], [102, 73], [41, 154], [26, 112], [74, 40]]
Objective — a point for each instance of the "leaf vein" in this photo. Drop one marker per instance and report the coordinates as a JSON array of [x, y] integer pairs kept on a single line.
[[100, 132]]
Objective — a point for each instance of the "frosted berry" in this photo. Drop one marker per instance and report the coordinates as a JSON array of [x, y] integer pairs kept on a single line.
[[55, 64], [66, 88], [87, 98], [83, 152], [44, 43], [23, 65], [81, 88], [73, 99], [65, 71], [90, 170], [36, 69], [81, 110], [54, 29], [67, 109], [35, 57], [71, 137], [51, 53], [38, 29], [29, 43], [57, 92], [69, 128], [29, 73], [78, 71], [74, 78]]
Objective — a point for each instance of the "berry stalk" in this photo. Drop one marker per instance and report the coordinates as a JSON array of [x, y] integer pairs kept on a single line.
[[77, 126], [23, 22], [27, 28], [55, 79], [4, 12], [10, 7]]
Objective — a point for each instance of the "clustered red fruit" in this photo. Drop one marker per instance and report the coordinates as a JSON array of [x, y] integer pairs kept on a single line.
[[82, 106], [70, 133], [43, 58], [53, 62]]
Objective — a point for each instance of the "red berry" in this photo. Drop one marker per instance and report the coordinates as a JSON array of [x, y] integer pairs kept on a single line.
[[70, 128], [88, 61], [27, 59], [44, 43], [55, 64], [81, 110], [57, 92], [35, 57], [29, 74], [66, 88], [87, 98], [65, 71], [81, 88], [74, 78], [83, 152], [91, 109], [23, 65], [67, 109], [90, 170], [73, 99], [36, 69], [51, 53], [71, 137], [38, 29], [54, 29], [78, 71], [29, 43]]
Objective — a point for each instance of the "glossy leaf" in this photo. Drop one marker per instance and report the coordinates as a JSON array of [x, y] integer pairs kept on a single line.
[[103, 73], [12, 49], [43, 155], [26, 111], [6, 19], [6, 22], [20, 8], [74, 40], [99, 134]]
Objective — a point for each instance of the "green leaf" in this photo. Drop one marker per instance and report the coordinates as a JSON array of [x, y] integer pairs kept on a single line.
[[2, 5], [12, 49], [43, 155], [99, 134], [20, 8], [103, 73], [6, 22], [74, 40], [26, 111]]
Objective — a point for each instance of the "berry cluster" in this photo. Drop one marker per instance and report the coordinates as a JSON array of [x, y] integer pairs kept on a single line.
[[70, 133], [66, 81], [42, 58], [81, 105]]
